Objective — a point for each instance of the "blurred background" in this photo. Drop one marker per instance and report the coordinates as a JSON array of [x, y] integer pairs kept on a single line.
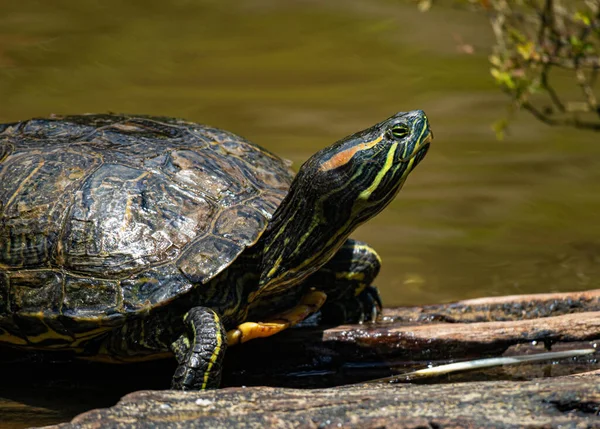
[[478, 217]]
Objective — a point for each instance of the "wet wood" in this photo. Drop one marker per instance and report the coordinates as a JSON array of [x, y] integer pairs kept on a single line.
[[49, 389], [550, 402], [499, 308], [412, 337]]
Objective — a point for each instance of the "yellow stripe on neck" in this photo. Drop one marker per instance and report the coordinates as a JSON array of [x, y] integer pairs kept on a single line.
[[389, 161]]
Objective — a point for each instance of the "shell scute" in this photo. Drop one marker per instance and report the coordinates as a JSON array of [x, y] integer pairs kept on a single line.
[[238, 223], [206, 172], [34, 291], [154, 286], [90, 295], [51, 131], [206, 257], [124, 219], [259, 166]]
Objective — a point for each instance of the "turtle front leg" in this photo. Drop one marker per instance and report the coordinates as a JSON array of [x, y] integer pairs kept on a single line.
[[200, 351], [346, 279]]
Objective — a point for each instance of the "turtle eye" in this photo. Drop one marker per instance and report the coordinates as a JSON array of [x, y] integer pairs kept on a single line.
[[399, 131]]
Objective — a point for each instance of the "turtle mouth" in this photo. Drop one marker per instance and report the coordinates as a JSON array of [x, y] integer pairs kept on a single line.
[[421, 154], [418, 155]]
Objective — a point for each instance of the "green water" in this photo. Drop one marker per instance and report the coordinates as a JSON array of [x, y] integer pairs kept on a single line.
[[478, 217]]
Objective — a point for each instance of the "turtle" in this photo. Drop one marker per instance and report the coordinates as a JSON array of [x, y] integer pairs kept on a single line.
[[126, 238]]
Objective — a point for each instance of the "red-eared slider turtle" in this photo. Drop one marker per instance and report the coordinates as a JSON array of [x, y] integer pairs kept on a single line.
[[126, 238]]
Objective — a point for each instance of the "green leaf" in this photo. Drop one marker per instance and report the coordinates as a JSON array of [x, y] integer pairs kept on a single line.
[[583, 17], [502, 78], [525, 50]]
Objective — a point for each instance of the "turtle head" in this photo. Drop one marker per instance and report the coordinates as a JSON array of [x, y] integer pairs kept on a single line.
[[337, 189], [362, 173]]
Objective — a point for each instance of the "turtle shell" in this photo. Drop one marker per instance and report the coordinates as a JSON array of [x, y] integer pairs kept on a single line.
[[96, 211]]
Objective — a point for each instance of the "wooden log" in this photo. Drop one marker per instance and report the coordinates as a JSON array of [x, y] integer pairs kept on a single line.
[[49, 389], [550, 402], [499, 308], [357, 352]]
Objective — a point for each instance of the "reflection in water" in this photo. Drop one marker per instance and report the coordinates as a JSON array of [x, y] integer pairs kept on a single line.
[[479, 217]]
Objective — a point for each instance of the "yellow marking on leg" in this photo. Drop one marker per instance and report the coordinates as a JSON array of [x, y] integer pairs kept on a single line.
[[350, 275], [309, 304], [216, 351], [369, 249], [353, 275]]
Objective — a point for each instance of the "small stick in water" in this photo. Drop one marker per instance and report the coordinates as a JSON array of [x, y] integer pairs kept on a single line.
[[480, 363]]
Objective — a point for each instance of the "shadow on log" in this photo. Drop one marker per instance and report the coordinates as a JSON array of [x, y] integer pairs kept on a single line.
[[49, 389]]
